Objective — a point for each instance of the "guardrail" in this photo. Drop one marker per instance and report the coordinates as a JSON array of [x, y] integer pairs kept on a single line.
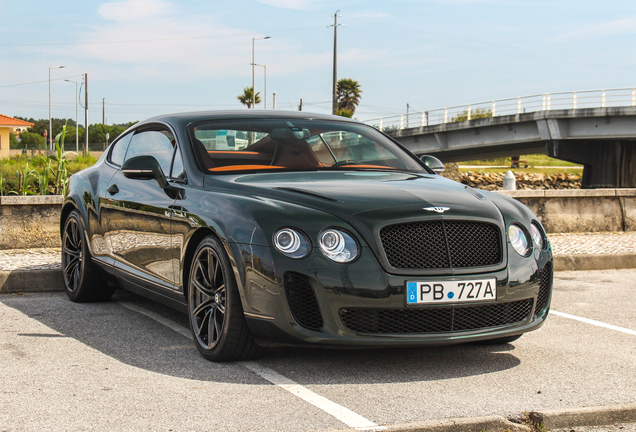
[[510, 106]]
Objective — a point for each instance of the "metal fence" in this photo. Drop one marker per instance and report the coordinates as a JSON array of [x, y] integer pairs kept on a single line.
[[510, 106]]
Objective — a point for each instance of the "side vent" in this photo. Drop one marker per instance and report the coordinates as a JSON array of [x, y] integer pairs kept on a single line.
[[302, 301], [544, 290]]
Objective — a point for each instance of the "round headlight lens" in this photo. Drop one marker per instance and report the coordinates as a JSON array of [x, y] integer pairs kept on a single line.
[[519, 240], [291, 243], [338, 246], [537, 237]]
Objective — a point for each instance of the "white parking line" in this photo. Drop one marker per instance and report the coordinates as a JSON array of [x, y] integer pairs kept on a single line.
[[594, 322], [341, 413]]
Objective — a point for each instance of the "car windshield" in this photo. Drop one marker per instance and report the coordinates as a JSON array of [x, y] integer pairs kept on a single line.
[[289, 144]]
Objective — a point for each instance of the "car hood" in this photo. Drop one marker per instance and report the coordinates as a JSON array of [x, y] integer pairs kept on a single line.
[[374, 198]]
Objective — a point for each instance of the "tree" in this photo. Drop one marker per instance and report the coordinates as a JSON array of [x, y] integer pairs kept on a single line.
[[348, 94], [32, 141], [13, 141], [247, 97], [344, 113]]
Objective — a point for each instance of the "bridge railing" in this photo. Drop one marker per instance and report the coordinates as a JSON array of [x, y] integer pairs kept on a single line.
[[510, 106]]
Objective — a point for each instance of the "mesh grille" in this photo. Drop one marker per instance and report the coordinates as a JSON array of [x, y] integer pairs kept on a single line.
[[441, 244], [544, 289], [435, 320], [302, 302]]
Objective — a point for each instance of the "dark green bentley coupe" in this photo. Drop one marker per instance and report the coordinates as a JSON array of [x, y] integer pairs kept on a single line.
[[293, 228]]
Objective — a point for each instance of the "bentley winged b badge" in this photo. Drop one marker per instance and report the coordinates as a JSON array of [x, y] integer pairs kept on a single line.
[[437, 209]]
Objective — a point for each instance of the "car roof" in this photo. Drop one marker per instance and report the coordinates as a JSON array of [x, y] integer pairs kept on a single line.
[[196, 116]]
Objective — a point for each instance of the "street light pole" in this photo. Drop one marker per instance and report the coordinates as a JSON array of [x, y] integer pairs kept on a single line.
[[50, 122], [76, 118], [253, 89], [264, 83], [334, 95]]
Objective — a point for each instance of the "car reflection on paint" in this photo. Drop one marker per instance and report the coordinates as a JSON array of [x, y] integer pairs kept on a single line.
[[293, 228]]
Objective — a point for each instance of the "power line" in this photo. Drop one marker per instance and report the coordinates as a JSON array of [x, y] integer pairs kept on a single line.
[[40, 82], [151, 39]]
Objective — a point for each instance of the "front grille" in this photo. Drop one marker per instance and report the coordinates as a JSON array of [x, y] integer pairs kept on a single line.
[[302, 301], [435, 320], [544, 289], [441, 245]]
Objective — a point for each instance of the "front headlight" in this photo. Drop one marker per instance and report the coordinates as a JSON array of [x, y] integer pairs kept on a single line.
[[519, 240], [338, 246], [292, 243], [537, 236]]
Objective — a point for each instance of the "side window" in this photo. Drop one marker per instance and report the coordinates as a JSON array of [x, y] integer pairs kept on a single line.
[[119, 149], [158, 143], [177, 166]]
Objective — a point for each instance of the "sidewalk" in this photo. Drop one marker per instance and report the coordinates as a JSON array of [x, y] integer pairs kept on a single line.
[[39, 269]]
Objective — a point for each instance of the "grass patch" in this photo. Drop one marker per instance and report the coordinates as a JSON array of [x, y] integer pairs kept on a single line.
[[547, 171], [32, 169], [532, 160]]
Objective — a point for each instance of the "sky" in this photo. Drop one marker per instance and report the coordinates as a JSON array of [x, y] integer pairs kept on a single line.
[[150, 57]]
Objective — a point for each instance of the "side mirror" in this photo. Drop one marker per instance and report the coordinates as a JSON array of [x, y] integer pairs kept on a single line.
[[433, 163], [144, 168]]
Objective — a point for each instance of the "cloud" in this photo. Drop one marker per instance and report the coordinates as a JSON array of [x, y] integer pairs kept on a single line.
[[367, 15], [290, 4], [129, 10], [605, 28]]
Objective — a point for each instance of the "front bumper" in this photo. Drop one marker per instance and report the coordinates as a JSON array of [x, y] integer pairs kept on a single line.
[[274, 312]]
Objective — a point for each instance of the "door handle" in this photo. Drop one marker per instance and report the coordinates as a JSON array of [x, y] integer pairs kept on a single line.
[[113, 189]]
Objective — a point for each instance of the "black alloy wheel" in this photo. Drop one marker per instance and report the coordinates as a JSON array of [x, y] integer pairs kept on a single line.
[[214, 306], [81, 280], [72, 257]]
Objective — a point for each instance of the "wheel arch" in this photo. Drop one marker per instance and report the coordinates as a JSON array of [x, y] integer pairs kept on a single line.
[[67, 208], [190, 249]]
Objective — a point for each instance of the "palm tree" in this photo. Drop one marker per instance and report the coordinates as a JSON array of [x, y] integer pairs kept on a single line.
[[247, 96], [348, 94]]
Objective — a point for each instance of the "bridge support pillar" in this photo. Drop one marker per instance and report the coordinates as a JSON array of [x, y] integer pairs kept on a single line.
[[607, 163]]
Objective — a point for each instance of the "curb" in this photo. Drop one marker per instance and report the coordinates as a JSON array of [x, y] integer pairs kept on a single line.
[[475, 424], [589, 416], [539, 421], [594, 262], [31, 281]]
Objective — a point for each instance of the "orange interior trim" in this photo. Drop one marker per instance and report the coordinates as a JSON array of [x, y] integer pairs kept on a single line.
[[232, 152], [366, 166], [243, 167]]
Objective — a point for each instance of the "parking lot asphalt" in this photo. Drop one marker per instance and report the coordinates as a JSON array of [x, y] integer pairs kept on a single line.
[[129, 364]]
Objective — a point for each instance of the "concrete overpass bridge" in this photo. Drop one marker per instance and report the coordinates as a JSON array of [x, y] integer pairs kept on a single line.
[[595, 128]]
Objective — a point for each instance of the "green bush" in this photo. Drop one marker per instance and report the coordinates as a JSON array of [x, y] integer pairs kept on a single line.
[[474, 114]]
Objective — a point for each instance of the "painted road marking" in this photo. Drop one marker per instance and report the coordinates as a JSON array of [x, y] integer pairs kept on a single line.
[[341, 413], [594, 322]]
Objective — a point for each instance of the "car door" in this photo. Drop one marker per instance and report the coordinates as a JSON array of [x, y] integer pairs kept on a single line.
[[99, 212], [139, 227]]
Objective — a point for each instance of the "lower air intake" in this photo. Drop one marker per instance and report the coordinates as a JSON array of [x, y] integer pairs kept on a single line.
[[435, 320], [544, 289], [302, 301]]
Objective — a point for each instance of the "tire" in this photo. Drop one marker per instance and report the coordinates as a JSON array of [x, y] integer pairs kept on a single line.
[[215, 311], [81, 279], [499, 341]]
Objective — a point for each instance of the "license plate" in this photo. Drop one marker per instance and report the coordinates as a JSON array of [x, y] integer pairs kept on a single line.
[[461, 291]]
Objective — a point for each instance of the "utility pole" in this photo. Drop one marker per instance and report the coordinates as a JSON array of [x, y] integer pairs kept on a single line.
[[274, 101], [86, 114], [334, 96], [103, 111], [407, 115], [300, 107]]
